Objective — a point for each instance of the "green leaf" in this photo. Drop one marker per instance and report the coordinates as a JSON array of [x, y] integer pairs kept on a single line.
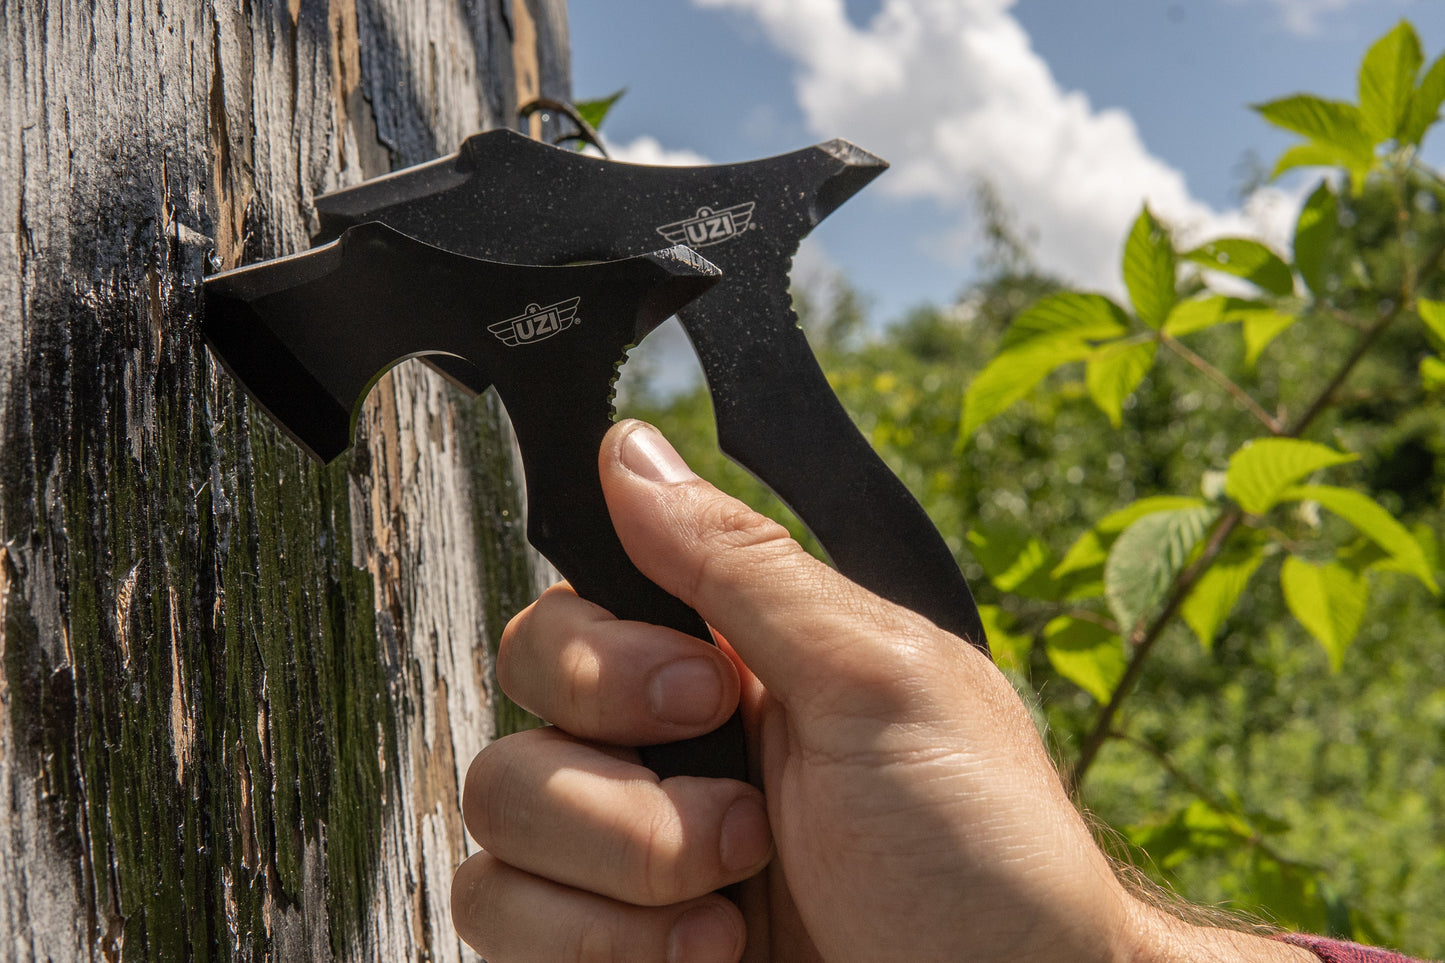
[[1191, 833], [1087, 654], [1328, 600], [1068, 317], [1246, 259], [1013, 559], [1314, 234], [1429, 544], [1009, 649], [1092, 548], [1218, 589], [1432, 373], [1432, 313], [1145, 559], [1425, 104], [1373, 522], [1261, 471], [1314, 154], [1011, 375], [1331, 123], [595, 111], [1261, 323], [1363, 555], [1196, 314], [1259, 328], [1114, 371], [1052, 333], [1387, 81], [1149, 269]]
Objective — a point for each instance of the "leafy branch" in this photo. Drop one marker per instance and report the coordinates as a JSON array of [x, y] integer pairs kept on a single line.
[[1169, 557]]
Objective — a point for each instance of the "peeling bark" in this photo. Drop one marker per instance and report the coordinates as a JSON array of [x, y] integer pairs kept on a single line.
[[238, 692]]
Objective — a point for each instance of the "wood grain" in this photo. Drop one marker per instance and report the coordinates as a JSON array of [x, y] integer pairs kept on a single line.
[[238, 691]]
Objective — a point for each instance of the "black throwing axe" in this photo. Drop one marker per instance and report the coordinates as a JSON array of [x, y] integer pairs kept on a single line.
[[308, 335], [508, 198]]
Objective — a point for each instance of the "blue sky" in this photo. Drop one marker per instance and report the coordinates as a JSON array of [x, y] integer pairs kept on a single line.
[[1076, 111]]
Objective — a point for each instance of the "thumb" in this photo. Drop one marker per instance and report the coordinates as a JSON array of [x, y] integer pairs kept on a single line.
[[796, 622]]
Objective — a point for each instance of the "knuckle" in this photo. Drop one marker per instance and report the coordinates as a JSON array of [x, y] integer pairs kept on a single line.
[[595, 940], [475, 893], [509, 647], [578, 683], [735, 540], [655, 842], [494, 805], [547, 660]]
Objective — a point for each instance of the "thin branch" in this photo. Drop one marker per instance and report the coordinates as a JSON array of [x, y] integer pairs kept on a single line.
[[1371, 335], [586, 133], [1413, 277], [1144, 636], [1088, 615], [1224, 381], [1337, 313]]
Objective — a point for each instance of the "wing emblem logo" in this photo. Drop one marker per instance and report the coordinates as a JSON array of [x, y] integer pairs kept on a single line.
[[708, 227], [537, 323]]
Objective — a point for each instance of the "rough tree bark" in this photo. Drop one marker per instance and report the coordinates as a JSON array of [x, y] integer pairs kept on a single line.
[[238, 692]]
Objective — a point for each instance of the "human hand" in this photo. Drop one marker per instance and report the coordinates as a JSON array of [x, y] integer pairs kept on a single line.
[[908, 806]]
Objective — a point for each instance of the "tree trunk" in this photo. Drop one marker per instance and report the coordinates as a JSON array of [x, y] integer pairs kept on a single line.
[[238, 691]]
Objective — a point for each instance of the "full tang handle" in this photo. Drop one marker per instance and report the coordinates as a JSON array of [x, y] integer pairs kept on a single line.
[[570, 525], [778, 417], [630, 596]]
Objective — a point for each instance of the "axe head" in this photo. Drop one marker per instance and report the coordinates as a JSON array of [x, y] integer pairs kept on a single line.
[[505, 197], [308, 335]]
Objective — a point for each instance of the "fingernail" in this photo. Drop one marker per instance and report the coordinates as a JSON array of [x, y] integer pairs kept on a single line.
[[746, 839], [685, 692], [704, 934], [646, 453]]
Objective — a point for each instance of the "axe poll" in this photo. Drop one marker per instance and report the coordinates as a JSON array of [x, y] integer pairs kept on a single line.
[[505, 197], [308, 335]]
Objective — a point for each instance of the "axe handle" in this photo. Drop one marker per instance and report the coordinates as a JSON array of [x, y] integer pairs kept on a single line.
[[629, 595], [719, 754], [778, 417], [569, 523]]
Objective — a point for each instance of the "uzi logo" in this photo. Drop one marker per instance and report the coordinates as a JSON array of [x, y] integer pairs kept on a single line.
[[537, 323], [708, 226]]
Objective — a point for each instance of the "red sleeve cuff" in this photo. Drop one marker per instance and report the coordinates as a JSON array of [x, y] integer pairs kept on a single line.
[[1335, 951]]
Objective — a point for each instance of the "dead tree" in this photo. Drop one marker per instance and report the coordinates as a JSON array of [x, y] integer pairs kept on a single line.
[[238, 691]]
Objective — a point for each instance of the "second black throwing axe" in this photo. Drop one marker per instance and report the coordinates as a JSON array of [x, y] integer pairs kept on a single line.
[[508, 198]]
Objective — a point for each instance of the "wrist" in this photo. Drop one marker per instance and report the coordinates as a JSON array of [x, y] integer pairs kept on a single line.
[[1159, 937]]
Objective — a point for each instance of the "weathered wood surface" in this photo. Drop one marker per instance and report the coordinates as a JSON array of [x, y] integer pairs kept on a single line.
[[238, 692]]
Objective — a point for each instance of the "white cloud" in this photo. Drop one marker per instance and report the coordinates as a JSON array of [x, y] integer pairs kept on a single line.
[[950, 91], [1303, 16], [649, 150]]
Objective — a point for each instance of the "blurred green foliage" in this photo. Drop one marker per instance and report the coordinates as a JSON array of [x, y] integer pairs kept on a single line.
[[1204, 524]]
